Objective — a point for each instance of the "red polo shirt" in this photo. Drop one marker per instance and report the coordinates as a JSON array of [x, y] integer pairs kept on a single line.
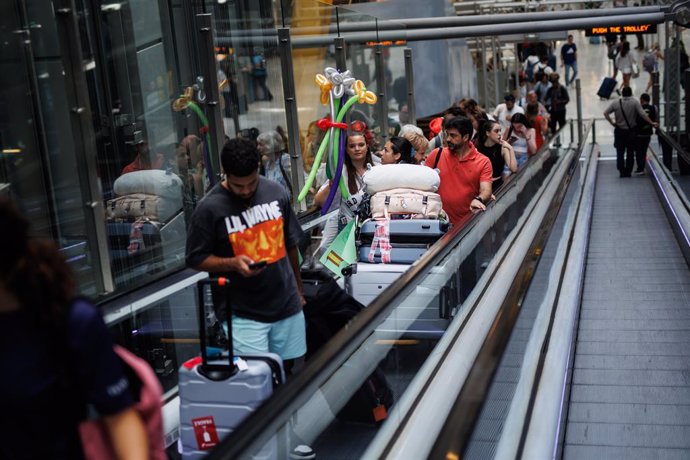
[[460, 180]]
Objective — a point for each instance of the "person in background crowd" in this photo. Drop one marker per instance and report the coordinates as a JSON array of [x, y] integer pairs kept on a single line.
[[60, 356], [397, 150], [644, 133], [536, 121], [143, 161], [650, 63], [522, 138], [504, 112], [626, 111], [625, 62], [556, 100], [276, 161], [543, 65], [259, 72], [542, 86], [569, 60], [466, 174], [498, 151], [415, 135], [532, 98], [437, 141]]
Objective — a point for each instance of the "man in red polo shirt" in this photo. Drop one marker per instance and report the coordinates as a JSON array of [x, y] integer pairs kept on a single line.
[[465, 173]]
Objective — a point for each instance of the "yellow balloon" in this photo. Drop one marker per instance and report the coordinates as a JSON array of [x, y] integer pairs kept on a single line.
[[325, 86]]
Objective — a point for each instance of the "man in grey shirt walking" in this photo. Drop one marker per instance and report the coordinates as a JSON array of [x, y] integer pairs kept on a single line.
[[626, 111]]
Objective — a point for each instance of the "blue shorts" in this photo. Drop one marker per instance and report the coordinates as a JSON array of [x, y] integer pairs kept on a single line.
[[286, 338]]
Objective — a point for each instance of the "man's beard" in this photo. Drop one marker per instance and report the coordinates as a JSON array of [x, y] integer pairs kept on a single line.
[[453, 147]]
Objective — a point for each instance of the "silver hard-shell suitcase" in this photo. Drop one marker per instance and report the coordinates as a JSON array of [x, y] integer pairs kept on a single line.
[[410, 231], [217, 395]]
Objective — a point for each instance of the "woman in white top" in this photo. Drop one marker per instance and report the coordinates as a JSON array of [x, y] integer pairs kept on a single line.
[[522, 138], [357, 160], [625, 62]]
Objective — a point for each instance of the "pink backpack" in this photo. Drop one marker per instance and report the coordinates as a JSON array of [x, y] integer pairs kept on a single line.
[[94, 436]]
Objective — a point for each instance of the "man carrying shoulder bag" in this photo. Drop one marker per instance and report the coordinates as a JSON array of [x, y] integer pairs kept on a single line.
[[626, 111]]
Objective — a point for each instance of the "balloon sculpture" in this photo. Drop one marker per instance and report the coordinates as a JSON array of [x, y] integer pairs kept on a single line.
[[185, 102], [334, 86]]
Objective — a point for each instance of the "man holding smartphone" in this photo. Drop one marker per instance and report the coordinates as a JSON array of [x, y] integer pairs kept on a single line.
[[245, 229]]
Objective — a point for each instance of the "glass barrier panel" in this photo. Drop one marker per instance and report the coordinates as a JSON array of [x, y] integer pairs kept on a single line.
[[252, 97], [341, 416]]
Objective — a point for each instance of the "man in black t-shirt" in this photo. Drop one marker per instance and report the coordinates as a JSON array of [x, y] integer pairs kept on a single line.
[[244, 220], [644, 134]]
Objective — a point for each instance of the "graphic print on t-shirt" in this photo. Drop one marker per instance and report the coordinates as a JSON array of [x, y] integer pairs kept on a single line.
[[258, 233]]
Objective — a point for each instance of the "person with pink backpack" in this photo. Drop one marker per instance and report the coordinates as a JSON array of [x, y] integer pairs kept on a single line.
[[59, 364]]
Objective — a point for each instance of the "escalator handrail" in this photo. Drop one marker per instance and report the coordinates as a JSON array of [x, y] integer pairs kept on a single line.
[[269, 416], [463, 415], [674, 144]]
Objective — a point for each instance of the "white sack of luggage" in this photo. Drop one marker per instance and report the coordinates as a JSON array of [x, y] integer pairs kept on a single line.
[[151, 193], [388, 177], [416, 204], [151, 182], [138, 205]]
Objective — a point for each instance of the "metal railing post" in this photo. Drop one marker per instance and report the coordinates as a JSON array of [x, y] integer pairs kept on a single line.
[[409, 79], [340, 54], [209, 71], [81, 122], [296, 166], [594, 130], [382, 103], [686, 80], [656, 89], [578, 93]]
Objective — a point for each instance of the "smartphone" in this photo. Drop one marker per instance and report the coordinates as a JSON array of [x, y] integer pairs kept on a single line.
[[257, 265]]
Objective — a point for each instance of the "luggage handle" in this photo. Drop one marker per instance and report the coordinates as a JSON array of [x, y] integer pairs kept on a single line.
[[215, 372]]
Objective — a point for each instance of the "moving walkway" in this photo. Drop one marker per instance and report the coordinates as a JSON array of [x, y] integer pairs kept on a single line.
[[499, 383]]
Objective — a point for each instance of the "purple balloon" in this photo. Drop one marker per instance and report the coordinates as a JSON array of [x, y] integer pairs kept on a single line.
[[336, 176]]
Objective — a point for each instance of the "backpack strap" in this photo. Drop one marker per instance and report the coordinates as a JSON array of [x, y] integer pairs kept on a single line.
[[623, 112], [284, 174], [438, 157]]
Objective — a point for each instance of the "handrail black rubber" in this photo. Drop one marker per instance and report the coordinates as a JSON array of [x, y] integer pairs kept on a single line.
[[674, 144], [464, 414]]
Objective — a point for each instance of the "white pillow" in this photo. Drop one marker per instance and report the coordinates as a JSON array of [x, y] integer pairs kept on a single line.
[[150, 181], [401, 175]]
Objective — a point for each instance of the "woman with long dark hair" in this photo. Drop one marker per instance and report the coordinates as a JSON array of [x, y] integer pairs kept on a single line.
[[499, 152], [522, 138], [625, 62], [357, 160], [397, 150], [57, 356]]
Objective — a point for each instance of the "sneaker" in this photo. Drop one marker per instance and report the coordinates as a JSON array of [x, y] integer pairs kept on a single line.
[[302, 452], [638, 173]]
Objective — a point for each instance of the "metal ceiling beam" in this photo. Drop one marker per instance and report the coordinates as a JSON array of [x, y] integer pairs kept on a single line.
[[453, 21], [553, 22]]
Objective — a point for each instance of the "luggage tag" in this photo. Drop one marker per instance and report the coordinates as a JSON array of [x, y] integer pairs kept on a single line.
[[240, 363], [379, 412]]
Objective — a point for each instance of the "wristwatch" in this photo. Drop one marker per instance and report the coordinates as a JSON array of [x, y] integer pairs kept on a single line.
[[479, 198]]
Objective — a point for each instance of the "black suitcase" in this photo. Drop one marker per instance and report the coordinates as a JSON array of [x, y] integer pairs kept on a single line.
[[607, 87], [216, 396]]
